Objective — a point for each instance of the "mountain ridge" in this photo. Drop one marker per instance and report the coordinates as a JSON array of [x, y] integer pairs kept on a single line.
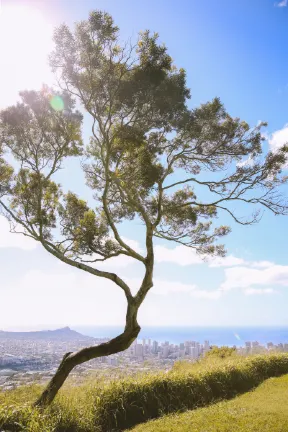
[[61, 333]]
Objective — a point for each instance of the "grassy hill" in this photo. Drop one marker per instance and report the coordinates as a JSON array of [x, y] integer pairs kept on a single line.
[[103, 405], [264, 409]]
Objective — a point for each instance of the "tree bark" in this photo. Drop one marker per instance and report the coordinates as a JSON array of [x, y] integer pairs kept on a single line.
[[70, 360]]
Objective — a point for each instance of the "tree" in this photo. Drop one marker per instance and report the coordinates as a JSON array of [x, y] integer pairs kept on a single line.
[[221, 352], [147, 157]]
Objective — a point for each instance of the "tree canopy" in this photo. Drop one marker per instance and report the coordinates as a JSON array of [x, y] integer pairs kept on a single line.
[[150, 156]]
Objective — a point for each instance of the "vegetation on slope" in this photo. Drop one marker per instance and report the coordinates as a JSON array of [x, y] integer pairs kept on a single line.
[[118, 405], [264, 409]]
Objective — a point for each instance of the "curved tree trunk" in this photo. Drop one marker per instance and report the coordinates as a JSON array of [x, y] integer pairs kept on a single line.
[[70, 360]]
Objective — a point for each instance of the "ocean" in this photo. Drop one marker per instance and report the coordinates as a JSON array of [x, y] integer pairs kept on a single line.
[[220, 336]]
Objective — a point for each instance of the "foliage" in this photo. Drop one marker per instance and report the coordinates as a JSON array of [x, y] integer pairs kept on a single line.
[[143, 134], [222, 352], [104, 406], [264, 409], [39, 138], [150, 158]]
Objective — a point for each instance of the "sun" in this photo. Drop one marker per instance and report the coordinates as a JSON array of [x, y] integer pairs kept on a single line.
[[25, 42]]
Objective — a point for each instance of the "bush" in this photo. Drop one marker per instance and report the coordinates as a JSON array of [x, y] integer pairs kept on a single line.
[[120, 405], [221, 352], [130, 402]]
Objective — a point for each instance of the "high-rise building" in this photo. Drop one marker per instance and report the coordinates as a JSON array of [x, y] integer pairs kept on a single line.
[[194, 353], [139, 351], [270, 345], [133, 348], [155, 347], [165, 351], [248, 346], [280, 347]]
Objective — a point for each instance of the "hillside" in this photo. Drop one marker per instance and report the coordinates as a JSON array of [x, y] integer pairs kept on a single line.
[[106, 404], [64, 333], [264, 409]]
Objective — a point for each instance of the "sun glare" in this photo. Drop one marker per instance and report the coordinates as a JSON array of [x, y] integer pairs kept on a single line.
[[25, 42]]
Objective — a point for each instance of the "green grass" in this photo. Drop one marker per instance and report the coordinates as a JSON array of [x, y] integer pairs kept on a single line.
[[102, 405], [264, 409]]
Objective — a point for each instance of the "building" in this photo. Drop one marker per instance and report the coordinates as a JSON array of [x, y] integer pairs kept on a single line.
[[155, 347], [139, 350], [165, 351]]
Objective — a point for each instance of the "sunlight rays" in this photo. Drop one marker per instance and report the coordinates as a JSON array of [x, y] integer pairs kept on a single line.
[[25, 42]]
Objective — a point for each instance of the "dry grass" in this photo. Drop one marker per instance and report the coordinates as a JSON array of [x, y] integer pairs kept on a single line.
[[265, 409], [105, 405]]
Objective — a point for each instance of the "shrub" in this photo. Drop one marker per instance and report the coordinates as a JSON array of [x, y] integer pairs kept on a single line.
[[128, 403], [221, 352], [119, 405]]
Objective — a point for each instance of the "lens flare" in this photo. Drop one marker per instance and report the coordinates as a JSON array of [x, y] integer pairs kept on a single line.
[[57, 103], [237, 336]]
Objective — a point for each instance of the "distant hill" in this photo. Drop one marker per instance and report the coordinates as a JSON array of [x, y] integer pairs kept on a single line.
[[64, 333]]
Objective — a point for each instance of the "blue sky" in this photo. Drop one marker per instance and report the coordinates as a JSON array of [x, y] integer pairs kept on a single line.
[[236, 50]]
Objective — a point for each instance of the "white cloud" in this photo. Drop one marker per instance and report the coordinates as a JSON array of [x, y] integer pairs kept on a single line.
[[282, 3], [180, 255], [13, 240], [238, 274], [228, 261], [61, 298], [245, 277], [278, 138], [207, 294], [77, 298], [117, 262], [232, 261], [134, 244], [247, 162], [185, 256], [259, 291], [163, 287], [261, 264]]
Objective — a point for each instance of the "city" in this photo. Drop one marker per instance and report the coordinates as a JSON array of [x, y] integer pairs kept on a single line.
[[26, 358]]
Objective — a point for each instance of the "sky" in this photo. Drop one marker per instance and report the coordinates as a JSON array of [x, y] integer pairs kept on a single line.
[[236, 50]]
